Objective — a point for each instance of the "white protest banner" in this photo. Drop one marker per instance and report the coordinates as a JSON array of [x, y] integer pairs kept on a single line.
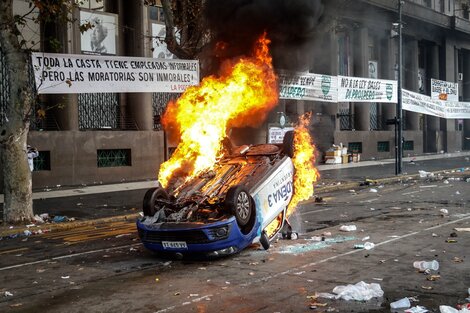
[[457, 110], [276, 134], [442, 90], [68, 73], [416, 102], [307, 86], [356, 89]]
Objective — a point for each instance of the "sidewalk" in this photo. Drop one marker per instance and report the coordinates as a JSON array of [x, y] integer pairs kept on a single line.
[[92, 205]]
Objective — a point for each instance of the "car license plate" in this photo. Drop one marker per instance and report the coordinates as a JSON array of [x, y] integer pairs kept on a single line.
[[174, 245]]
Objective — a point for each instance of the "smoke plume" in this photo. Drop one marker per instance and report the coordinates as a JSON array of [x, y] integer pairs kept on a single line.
[[290, 24]]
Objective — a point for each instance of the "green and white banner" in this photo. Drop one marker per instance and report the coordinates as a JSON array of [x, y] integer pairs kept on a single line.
[[357, 89], [307, 86]]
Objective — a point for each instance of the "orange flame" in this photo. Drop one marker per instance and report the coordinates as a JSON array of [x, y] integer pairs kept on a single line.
[[305, 174], [242, 96]]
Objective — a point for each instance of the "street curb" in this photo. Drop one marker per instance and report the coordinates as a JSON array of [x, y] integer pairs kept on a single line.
[[53, 227]]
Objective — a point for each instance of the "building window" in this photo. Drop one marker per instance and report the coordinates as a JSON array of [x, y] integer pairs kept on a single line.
[[408, 145], [355, 147], [96, 5], [383, 146], [428, 3], [156, 14], [113, 157], [42, 162]]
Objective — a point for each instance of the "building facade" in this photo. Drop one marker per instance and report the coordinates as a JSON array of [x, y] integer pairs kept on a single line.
[[102, 138]]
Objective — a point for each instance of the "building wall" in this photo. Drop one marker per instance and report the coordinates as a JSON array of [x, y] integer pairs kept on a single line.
[[73, 156]]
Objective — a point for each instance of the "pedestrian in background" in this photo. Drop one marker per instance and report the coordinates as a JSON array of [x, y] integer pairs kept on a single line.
[[32, 153]]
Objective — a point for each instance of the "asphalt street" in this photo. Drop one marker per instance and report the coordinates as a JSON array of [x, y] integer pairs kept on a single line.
[[104, 268]]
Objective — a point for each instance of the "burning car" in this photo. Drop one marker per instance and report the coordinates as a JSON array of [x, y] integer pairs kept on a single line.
[[214, 198], [243, 199]]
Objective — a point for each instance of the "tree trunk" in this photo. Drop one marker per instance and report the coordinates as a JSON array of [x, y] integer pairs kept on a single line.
[[18, 206]]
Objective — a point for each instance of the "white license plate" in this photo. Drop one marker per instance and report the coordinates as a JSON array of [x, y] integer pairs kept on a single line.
[[174, 245]]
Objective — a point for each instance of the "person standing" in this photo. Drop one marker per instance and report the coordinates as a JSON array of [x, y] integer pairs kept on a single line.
[[32, 153]]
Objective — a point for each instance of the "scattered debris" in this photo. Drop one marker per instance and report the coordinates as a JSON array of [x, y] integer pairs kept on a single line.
[[8, 294], [444, 211], [426, 287], [462, 229], [400, 304], [449, 309], [457, 260], [348, 228], [365, 246], [373, 190], [417, 309], [424, 174], [359, 292], [433, 277], [425, 265], [15, 305]]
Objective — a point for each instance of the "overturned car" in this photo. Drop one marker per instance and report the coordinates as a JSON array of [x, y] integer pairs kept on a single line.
[[242, 200]]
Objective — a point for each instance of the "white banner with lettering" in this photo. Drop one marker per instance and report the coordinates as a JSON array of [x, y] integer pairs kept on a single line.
[[357, 89], [419, 103], [457, 110], [416, 102], [442, 90], [68, 73], [307, 86]]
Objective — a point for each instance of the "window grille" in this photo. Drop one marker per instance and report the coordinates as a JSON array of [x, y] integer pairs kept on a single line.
[[43, 161], [355, 147], [383, 146], [159, 103], [374, 117], [98, 111], [408, 145], [113, 157]]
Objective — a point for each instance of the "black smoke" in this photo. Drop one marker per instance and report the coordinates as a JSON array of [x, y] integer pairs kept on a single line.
[[290, 24]]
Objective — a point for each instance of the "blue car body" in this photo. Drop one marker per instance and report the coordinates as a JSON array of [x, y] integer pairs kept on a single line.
[[198, 217]]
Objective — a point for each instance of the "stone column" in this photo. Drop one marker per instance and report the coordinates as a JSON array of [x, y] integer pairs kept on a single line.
[[64, 111], [388, 50], [432, 123], [361, 53], [466, 97], [410, 62], [135, 21]]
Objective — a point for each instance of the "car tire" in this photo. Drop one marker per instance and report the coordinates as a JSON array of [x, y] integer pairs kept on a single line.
[[150, 200], [288, 143], [239, 202], [264, 240]]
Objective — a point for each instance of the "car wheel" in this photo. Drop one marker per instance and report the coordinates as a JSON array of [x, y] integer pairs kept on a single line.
[[264, 241], [239, 202], [150, 200], [288, 143]]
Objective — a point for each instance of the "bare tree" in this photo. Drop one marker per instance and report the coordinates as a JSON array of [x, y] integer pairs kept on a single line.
[[18, 206], [186, 18]]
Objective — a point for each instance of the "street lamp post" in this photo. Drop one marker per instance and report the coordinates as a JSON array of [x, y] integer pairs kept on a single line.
[[399, 113], [400, 85]]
